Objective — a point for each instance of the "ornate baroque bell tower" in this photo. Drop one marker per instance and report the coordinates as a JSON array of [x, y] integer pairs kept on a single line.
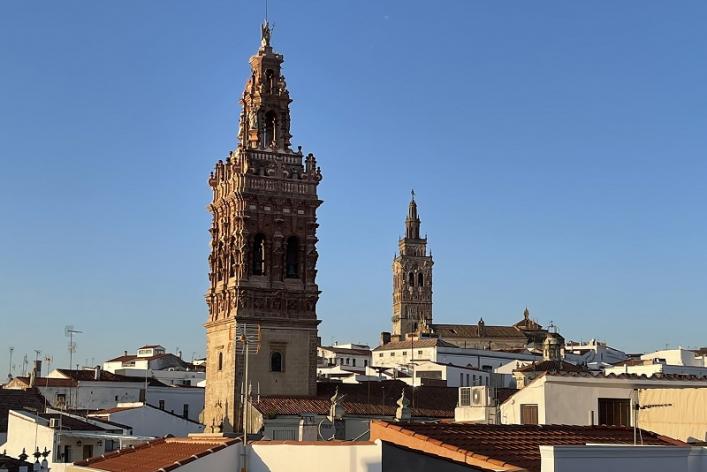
[[412, 279], [263, 252]]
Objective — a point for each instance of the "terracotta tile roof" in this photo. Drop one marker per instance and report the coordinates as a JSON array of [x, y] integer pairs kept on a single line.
[[18, 400], [158, 455], [23, 382], [374, 399], [551, 366], [638, 377], [88, 375], [472, 331], [503, 447], [418, 343]]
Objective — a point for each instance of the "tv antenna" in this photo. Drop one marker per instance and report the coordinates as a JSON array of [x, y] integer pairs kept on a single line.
[[9, 372], [69, 332]]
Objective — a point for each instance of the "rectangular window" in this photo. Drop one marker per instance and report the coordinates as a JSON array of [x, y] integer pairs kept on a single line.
[[87, 451], [529, 414], [365, 363], [392, 354], [185, 411], [161, 403], [347, 361], [380, 355], [615, 411], [467, 380], [353, 362], [60, 400], [461, 380], [473, 377], [67, 454], [419, 352], [405, 353]]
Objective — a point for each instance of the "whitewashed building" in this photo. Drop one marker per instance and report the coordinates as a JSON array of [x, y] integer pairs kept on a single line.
[[583, 398], [68, 438], [147, 420], [352, 357], [153, 361], [404, 354]]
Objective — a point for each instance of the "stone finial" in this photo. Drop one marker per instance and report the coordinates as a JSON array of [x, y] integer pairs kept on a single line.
[[336, 410], [402, 413], [265, 33]]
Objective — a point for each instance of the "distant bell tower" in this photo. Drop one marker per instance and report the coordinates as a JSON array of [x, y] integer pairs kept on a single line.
[[412, 279], [263, 253]]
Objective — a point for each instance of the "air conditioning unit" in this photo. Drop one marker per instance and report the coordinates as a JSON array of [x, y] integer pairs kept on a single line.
[[475, 396], [54, 423], [479, 396]]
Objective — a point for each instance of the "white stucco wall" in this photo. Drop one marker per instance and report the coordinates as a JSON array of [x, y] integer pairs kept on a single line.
[[622, 459], [569, 400], [25, 433], [320, 457], [149, 421], [176, 397]]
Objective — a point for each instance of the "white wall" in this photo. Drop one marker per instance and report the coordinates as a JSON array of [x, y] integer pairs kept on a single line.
[[176, 397], [24, 432], [320, 457], [622, 459], [149, 421], [652, 369]]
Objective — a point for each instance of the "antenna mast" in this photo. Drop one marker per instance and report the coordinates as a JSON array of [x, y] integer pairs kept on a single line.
[[69, 332], [9, 372]]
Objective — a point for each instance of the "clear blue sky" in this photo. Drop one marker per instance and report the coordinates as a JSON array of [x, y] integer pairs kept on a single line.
[[557, 150]]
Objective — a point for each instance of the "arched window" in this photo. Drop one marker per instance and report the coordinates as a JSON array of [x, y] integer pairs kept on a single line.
[[220, 360], [259, 255], [270, 127], [291, 257], [269, 81], [276, 362], [420, 280], [411, 279]]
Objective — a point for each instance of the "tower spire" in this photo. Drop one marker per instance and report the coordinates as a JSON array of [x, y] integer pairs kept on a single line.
[[412, 222]]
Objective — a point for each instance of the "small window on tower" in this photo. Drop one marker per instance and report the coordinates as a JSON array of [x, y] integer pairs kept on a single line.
[[276, 362], [420, 280], [411, 279], [270, 127], [292, 263], [259, 255], [220, 360]]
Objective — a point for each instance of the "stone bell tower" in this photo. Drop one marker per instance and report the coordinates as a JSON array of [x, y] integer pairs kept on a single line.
[[412, 279], [263, 252]]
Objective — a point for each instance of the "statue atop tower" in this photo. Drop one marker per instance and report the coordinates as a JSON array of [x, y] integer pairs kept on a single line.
[[412, 279], [263, 252]]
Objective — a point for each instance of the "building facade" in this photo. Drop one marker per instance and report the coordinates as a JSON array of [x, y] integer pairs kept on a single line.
[[412, 279], [263, 253]]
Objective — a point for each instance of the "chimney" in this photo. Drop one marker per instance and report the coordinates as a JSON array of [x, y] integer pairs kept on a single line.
[[125, 353], [38, 368], [97, 373], [180, 354], [385, 337]]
